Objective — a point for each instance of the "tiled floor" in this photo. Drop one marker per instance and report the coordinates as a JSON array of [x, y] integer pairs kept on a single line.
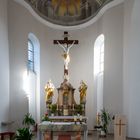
[[109, 137], [91, 136], [94, 136]]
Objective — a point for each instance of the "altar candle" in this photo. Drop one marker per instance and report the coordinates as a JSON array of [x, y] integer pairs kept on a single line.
[[81, 117], [73, 106], [98, 119], [57, 106], [65, 112], [75, 118]]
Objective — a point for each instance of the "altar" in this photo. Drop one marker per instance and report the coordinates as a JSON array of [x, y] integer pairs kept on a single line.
[[74, 118], [69, 127]]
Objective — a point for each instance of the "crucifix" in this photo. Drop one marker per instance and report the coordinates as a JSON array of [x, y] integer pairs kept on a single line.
[[66, 45]]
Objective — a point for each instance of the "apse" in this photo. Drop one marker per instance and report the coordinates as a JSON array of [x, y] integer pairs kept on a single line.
[[67, 12]]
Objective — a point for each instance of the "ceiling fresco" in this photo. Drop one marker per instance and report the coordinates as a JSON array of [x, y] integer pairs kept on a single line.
[[67, 12]]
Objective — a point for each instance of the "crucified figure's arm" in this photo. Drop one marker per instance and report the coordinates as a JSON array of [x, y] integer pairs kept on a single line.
[[63, 47], [68, 48]]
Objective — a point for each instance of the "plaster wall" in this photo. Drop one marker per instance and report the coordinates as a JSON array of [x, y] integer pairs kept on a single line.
[[4, 65], [131, 67], [51, 62]]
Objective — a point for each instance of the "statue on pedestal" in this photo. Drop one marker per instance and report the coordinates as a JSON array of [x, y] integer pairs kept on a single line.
[[49, 90], [83, 91]]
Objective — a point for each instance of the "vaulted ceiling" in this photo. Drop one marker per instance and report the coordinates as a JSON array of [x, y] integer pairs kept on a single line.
[[67, 12]]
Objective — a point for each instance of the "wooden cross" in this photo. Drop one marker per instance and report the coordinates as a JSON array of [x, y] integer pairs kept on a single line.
[[66, 45], [120, 124], [66, 41]]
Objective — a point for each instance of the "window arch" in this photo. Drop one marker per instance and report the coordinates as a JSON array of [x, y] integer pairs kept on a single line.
[[99, 70], [33, 66]]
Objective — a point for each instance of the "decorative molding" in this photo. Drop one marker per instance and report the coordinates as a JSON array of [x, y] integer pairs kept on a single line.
[[74, 27]]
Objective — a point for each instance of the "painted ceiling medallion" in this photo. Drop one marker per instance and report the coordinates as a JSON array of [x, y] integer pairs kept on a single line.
[[67, 12]]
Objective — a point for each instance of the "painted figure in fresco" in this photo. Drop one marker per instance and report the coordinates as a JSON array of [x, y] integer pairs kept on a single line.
[[49, 90], [83, 91]]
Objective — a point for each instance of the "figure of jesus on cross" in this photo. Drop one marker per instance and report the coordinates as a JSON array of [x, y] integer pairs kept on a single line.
[[66, 45]]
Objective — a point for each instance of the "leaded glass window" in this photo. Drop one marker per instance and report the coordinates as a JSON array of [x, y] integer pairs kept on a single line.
[[30, 56]]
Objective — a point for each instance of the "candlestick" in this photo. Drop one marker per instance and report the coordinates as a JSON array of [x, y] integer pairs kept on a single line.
[[80, 117], [98, 119], [57, 107], [75, 119], [73, 106]]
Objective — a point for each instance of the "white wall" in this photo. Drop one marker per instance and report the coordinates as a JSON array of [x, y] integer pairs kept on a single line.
[[81, 66], [112, 28], [51, 62], [4, 64], [132, 66], [111, 25]]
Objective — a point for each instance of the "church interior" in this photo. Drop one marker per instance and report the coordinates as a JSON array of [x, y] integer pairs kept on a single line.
[[69, 69]]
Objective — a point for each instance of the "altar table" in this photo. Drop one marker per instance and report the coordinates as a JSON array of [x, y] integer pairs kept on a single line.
[[62, 127], [67, 118]]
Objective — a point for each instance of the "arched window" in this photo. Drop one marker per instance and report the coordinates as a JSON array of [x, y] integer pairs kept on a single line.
[[34, 75], [99, 70], [30, 55]]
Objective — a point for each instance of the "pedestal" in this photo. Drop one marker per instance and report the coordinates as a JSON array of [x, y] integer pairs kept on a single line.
[[120, 127]]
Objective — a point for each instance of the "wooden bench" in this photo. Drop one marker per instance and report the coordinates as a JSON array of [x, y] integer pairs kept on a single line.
[[9, 134]]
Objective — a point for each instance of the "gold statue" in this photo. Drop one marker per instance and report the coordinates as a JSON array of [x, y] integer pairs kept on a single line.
[[82, 90], [49, 89]]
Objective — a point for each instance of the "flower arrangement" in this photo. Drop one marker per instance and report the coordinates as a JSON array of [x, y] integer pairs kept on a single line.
[[53, 108], [105, 120], [45, 117], [79, 109], [28, 120], [25, 133]]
